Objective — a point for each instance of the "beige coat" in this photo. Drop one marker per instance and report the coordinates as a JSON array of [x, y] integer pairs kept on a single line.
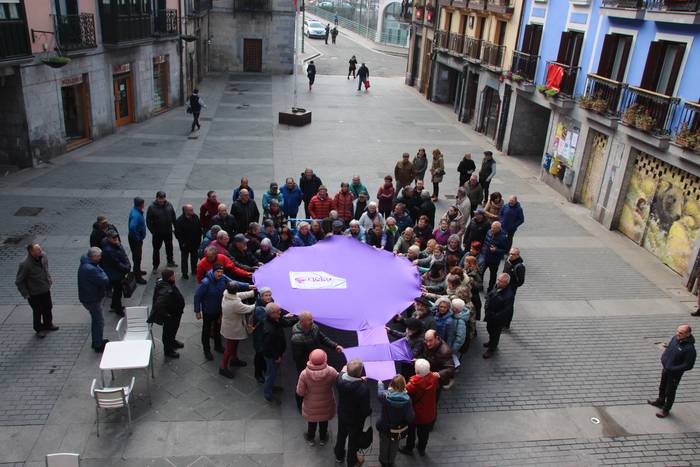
[[436, 168], [233, 315]]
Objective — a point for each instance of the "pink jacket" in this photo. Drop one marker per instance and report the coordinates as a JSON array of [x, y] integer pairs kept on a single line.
[[316, 387]]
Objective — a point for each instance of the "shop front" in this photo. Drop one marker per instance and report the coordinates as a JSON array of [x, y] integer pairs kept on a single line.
[[123, 101], [76, 110], [160, 83]]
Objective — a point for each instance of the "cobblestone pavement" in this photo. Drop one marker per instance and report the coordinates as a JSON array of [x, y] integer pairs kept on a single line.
[[585, 342]]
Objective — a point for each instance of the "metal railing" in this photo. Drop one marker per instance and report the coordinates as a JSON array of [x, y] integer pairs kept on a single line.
[[633, 4], [456, 43], [14, 41], [687, 132], [251, 5], [165, 23], [602, 94], [492, 55], [201, 5], [398, 37], [524, 65], [674, 5], [477, 4], [75, 32], [648, 110], [500, 6], [472, 48], [441, 39], [568, 80], [118, 29]]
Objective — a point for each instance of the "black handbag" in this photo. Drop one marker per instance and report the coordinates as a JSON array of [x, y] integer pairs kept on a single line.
[[364, 441], [128, 285]]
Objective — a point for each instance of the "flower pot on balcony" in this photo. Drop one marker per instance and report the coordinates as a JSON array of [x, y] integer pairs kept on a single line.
[[55, 61], [644, 122], [599, 105]]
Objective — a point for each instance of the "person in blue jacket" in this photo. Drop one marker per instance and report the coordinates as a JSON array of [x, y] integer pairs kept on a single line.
[[511, 216], [492, 250], [292, 199], [207, 306], [115, 264], [92, 286], [137, 234], [678, 358], [304, 237], [273, 193]]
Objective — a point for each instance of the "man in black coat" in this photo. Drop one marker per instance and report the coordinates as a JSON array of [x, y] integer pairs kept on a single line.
[[477, 229], [274, 345], [188, 232], [244, 211], [160, 219], [309, 184], [678, 358], [99, 231], [168, 306], [427, 207], [498, 312], [225, 220], [353, 409], [515, 268]]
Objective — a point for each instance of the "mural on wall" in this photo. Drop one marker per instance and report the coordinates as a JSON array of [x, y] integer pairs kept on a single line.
[[595, 167], [662, 211]]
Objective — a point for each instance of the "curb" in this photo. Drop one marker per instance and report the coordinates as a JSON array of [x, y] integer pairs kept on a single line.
[[311, 57]]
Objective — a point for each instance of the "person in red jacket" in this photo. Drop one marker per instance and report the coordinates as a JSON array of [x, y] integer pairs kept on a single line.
[[211, 257], [321, 204], [343, 203], [422, 387], [209, 209]]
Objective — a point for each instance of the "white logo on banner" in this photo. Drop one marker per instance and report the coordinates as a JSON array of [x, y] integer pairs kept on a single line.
[[316, 280]]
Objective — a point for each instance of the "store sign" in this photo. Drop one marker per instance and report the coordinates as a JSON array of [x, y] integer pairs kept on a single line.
[[158, 59], [314, 280], [72, 81], [124, 68]]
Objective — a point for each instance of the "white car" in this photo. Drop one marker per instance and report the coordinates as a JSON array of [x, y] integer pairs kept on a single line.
[[314, 29]]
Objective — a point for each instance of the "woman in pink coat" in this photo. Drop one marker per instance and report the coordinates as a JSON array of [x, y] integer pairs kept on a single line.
[[316, 387]]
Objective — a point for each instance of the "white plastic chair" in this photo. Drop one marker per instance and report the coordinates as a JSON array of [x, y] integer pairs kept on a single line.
[[111, 398], [134, 326], [63, 459]]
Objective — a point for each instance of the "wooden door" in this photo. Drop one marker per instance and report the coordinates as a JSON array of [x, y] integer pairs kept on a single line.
[[252, 55], [122, 100], [595, 168]]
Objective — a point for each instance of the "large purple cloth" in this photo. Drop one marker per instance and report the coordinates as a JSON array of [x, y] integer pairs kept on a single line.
[[347, 285]]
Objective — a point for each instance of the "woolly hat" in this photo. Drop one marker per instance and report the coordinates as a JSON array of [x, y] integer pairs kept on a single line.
[[317, 358]]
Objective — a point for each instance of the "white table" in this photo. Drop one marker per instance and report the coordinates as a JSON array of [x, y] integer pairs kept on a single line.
[[127, 355]]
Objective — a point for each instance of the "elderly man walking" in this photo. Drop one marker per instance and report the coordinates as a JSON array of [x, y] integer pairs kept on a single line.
[[511, 216], [678, 358], [515, 268], [274, 346], [498, 311], [160, 218], [92, 286], [34, 284], [353, 409]]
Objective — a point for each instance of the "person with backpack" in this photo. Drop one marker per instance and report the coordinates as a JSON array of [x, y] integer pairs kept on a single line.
[[195, 104], [515, 268], [311, 73], [363, 74], [395, 417]]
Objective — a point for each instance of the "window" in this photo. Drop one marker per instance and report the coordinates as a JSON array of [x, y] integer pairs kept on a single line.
[[463, 25], [570, 48], [501, 32], [531, 39], [663, 66], [448, 21], [9, 9], [614, 56]]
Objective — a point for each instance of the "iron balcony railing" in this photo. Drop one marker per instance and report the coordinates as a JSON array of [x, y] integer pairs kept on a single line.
[[201, 5], [687, 133], [648, 110], [602, 95], [14, 40], [166, 22], [477, 4], [674, 5], [524, 65], [631, 4], [568, 80], [500, 6], [117, 29], [492, 56], [472, 48], [456, 43], [441, 39], [252, 5], [75, 32]]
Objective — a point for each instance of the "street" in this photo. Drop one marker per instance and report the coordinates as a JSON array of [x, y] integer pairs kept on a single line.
[[567, 386]]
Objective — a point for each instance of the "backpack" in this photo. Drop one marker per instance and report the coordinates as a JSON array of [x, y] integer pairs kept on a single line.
[[194, 105]]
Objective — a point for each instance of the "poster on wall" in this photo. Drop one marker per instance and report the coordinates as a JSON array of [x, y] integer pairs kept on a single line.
[[565, 141]]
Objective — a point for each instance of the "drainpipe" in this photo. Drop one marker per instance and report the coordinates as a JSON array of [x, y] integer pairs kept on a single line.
[[520, 23]]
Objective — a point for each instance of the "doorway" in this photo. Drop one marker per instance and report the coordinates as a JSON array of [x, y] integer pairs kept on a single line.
[[252, 55], [76, 120], [122, 99], [504, 118], [470, 97], [160, 83], [489, 111]]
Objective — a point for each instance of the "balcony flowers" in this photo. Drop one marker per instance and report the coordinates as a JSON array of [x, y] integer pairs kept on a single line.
[[55, 61], [687, 138]]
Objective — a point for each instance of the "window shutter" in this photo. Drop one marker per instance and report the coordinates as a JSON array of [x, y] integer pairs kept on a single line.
[[564, 44], [652, 69], [527, 39], [626, 47], [607, 55], [536, 38], [676, 68]]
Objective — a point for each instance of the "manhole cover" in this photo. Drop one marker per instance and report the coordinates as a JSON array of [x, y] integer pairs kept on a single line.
[[28, 211], [149, 143]]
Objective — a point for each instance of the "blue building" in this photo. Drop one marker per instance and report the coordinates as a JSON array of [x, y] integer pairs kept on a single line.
[[606, 93]]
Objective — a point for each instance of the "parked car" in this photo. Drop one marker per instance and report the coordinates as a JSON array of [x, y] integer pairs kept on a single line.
[[314, 29]]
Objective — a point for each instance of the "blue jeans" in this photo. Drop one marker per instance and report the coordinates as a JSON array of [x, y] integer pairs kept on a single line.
[[270, 375], [98, 322]]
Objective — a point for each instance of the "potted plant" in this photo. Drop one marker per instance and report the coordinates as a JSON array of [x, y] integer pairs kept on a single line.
[[541, 88], [630, 114], [586, 102], [644, 121], [516, 77], [549, 92], [599, 104], [683, 136], [55, 61]]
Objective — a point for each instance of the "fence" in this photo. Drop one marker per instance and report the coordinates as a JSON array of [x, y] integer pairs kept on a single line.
[[392, 36]]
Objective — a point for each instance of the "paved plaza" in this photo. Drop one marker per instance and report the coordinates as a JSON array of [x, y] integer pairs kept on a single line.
[[585, 342]]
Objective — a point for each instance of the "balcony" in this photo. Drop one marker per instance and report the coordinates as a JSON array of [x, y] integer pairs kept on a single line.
[[631, 9], [456, 43], [165, 23], [492, 57], [119, 30], [252, 6], [567, 84], [648, 111], [687, 133], [631, 4], [602, 97], [200, 6], [673, 11], [674, 5], [14, 41], [503, 7], [477, 5], [524, 65], [472, 49], [441, 40]]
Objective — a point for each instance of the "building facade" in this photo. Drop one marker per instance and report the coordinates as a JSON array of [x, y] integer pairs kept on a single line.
[[252, 35], [74, 70]]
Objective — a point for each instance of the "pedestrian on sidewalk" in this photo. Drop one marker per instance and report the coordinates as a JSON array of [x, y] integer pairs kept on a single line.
[[678, 358], [466, 168], [353, 409], [404, 172], [335, 19], [309, 184], [328, 31], [422, 387], [188, 232], [334, 34], [511, 216], [137, 234], [92, 287], [352, 65], [315, 387], [116, 265], [311, 72], [396, 415], [233, 325], [208, 210], [195, 104], [420, 164], [492, 251], [99, 230], [274, 346], [515, 268], [486, 174], [166, 310], [160, 219], [437, 171], [498, 311], [207, 307], [362, 74], [34, 284]]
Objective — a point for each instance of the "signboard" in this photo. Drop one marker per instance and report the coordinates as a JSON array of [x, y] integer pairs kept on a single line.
[[72, 81], [314, 280], [123, 68]]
